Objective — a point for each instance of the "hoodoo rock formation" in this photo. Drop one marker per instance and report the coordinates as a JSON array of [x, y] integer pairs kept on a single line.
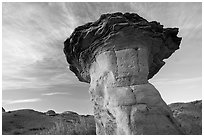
[[117, 55]]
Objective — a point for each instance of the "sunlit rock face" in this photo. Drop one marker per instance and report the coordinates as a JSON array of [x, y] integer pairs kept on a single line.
[[117, 55]]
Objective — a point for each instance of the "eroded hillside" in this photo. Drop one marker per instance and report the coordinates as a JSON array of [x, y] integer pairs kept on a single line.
[[30, 122]]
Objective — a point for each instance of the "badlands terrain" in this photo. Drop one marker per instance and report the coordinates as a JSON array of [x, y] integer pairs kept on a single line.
[[31, 122]]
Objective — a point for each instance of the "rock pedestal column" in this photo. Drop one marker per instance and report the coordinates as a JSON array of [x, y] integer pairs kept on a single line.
[[117, 55]]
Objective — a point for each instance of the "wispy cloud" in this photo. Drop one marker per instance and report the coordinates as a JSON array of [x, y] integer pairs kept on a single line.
[[56, 93], [176, 81], [38, 31], [21, 101]]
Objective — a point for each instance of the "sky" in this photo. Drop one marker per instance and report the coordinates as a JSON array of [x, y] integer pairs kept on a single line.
[[35, 73]]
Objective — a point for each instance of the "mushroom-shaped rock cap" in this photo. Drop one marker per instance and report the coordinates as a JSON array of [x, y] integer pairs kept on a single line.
[[102, 35]]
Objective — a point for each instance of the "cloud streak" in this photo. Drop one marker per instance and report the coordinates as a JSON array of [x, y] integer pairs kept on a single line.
[[56, 93], [32, 42], [185, 81], [21, 101]]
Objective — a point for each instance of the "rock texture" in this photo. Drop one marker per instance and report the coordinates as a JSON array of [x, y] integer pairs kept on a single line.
[[117, 55], [189, 115], [119, 31]]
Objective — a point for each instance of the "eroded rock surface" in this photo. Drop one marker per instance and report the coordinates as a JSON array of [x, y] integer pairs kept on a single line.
[[119, 31], [117, 55], [189, 115]]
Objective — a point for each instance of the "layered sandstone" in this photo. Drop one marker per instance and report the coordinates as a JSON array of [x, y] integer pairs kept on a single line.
[[117, 55]]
